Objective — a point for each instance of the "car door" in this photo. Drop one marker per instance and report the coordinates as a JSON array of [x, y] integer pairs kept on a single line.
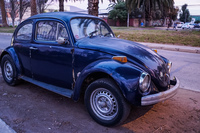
[[21, 42], [51, 62]]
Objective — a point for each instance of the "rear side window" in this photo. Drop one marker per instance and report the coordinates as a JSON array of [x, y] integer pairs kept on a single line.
[[50, 31], [25, 32]]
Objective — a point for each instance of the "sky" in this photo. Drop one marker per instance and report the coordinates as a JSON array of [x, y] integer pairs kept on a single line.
[[193, 5]]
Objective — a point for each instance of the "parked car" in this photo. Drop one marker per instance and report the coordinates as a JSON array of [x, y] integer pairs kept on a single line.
[[180, 24], [73, 54], [196, 26], [188, 26]]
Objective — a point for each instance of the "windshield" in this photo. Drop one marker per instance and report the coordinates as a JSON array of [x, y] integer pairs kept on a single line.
[[83, 27]]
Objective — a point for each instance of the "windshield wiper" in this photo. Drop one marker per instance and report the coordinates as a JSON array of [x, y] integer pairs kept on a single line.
[[92, 33], [109, 34]]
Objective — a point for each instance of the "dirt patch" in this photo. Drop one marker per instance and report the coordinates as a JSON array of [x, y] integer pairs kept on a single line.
[[28, 108]]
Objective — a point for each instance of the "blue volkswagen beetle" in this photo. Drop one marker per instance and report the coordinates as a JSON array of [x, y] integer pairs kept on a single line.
[[76, 54]]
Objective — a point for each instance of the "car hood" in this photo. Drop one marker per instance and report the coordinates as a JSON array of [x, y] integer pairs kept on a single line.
[[136, 53]]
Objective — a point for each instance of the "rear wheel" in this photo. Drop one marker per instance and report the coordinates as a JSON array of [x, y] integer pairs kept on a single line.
[[8, 69], [105, 103]]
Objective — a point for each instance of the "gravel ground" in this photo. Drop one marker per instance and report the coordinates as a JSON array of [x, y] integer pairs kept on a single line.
[[27, 108]]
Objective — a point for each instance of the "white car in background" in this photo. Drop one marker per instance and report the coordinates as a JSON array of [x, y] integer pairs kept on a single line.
[[188, 26], [180, 24]]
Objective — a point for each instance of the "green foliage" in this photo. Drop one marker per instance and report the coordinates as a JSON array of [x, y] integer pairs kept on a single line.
[[174, 13], [119, 11], [156, 14], [137, 13], [197, 21], [181, 37], [151, 9], [185, 14]]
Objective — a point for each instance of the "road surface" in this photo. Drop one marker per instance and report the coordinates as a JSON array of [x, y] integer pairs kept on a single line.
[[5, 41], [185, 66]]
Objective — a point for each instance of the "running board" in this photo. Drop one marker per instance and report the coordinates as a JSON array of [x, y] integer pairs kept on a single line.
[[59, 90]]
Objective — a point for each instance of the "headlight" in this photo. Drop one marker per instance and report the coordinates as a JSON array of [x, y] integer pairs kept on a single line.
[[144, 82], [169, 66]]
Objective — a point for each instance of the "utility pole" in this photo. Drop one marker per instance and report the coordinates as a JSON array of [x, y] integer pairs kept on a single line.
[[185, 16], [128, 19]]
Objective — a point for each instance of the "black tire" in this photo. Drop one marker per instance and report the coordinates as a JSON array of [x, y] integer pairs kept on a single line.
[[105, 103], [9, 71]]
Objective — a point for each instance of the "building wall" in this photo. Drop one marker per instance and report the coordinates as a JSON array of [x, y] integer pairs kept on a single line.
[[132, 22], [197, 17]]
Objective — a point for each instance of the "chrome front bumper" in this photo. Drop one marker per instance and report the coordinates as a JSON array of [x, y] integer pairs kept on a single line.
[[161, 96]]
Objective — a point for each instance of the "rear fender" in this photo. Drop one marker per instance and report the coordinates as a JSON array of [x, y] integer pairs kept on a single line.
[[126, 76], [10, 50]]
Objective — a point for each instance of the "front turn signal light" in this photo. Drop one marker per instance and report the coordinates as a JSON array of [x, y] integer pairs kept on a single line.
[[155, 50], [120, 58]]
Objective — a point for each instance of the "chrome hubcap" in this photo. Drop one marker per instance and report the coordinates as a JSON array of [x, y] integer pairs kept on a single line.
[[104, 104], [8, 70]]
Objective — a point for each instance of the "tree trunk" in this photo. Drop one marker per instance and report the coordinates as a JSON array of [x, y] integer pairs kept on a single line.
[[93, 7], [20, 11], [13, 12], [61, 5], [3, 13], [33, 7]]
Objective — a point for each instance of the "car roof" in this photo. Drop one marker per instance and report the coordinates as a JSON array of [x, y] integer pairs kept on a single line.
[[66, 16]]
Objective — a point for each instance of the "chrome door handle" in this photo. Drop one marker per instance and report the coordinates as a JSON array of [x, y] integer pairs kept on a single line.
[[33, 48]]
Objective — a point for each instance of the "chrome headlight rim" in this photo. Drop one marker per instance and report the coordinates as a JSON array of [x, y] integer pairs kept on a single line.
[[169, 66], [144, 83]]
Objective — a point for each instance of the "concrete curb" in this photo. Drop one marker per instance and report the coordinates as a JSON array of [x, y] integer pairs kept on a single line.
[[5, 128], [172, 47]]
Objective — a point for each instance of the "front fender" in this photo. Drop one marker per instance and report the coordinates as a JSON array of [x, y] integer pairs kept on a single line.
[[11, 51], [126, 76]]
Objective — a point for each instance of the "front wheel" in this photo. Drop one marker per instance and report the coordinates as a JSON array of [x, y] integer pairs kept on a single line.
[[9, 70], [105, 103]]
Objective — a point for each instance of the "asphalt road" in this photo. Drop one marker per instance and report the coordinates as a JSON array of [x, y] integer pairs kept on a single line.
[[185, 66], [5, 41]]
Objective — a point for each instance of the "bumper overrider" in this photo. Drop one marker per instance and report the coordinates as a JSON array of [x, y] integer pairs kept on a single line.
[[161, 96]]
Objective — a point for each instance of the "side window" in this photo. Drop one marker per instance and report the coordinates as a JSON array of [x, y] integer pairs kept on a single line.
[[50, 31], [103, 30], [62, 31], [25, 32]]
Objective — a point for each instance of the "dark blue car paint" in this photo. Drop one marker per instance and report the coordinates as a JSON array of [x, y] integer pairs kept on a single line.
[[136, 53], [11, 51], [126, 75], [23, 54], [88, 56], [52, 64]]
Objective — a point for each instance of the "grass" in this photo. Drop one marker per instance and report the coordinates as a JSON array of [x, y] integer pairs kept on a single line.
[[180, 37], [7, 29], [153, 35]]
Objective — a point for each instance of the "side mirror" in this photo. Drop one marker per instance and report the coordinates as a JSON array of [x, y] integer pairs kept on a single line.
[[62, 40]]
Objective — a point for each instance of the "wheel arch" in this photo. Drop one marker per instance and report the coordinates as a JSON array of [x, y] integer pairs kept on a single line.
[[10, 51], [125, 75], [89, 79]]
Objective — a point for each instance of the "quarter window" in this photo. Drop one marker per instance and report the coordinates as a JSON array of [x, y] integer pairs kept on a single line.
[[25, 32], [50, 31]]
